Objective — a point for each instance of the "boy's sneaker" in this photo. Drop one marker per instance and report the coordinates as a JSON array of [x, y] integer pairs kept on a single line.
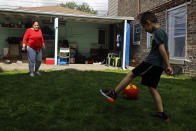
[[162, 115], [109, 94]]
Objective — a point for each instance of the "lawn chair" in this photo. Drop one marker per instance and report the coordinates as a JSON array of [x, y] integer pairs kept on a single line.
[[111, 58]]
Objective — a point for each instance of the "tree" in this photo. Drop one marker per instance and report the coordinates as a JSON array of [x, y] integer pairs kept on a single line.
[[84, 7], [71, 5]]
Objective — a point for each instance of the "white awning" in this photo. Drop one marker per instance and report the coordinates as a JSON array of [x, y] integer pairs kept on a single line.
[[65, 16]]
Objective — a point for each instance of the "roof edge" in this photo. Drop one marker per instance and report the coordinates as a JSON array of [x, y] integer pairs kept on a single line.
[[56, 14]]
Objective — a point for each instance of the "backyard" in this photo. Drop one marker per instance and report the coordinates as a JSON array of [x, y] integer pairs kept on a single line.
[[69, 100]]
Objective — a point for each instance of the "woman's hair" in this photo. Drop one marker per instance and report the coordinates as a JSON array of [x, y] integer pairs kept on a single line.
[[148, 16], [33, 22]]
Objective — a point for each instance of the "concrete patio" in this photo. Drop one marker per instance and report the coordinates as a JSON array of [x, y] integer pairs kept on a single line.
[[24, 66]]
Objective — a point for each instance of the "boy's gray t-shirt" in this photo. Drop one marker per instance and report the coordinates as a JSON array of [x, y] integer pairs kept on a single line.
[[158, 37]]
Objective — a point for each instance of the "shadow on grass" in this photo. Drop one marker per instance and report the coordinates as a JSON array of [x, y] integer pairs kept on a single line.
[[1, 70], [70, 100]]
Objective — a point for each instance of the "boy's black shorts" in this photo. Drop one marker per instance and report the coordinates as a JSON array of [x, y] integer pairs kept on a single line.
[[150, 74]]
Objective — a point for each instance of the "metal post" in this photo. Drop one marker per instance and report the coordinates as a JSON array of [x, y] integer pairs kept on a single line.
[[56, 38], [124, 44]]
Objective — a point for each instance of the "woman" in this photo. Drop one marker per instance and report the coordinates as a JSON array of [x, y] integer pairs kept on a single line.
[[34, 47]]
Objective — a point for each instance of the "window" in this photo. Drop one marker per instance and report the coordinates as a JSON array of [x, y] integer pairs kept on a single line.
[[149, 40], [176, 28], [136, 34]]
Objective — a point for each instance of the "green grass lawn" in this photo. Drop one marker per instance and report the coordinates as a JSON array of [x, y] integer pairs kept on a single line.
[[70, 101]]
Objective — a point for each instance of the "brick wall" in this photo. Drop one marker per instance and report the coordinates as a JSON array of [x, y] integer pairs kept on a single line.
[[190, 68], [113, 7], [150, 4], [127, 8], [130, 8], [159, 7]]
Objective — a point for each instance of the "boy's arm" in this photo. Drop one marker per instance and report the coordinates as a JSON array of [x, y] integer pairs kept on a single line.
[[165, 56], [168, 54]]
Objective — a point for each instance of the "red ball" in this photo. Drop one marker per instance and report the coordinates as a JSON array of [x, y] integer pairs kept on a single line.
[[130, 92]]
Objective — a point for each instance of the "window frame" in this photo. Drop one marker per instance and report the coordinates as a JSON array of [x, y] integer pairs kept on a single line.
[[149, 37], [174, 59], [137, 30]]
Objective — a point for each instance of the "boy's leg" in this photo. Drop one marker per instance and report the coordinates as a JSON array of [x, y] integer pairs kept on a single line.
[[127, 79], [151, 79], [157, 99], [159, 105], [140, 69], [112, 94]]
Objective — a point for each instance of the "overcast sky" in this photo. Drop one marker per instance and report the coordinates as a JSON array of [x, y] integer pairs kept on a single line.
[[100, 5]]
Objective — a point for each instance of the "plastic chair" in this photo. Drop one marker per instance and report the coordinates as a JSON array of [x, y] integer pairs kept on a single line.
[[116, 61], [109, 59]]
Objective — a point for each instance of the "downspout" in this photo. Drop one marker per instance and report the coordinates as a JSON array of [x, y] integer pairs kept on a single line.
[[56, 38], [138, 7], [124, 44]]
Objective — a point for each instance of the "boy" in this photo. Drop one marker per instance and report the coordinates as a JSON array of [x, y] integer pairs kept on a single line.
[[151, 68]]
